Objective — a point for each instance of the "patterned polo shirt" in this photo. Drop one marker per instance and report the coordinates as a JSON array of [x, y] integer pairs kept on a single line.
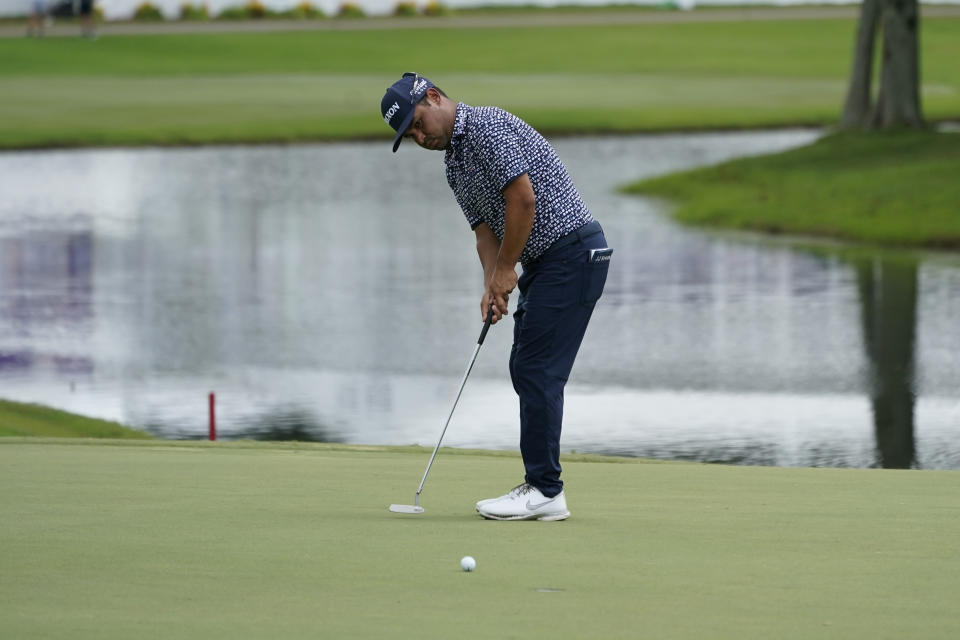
[[488, 150]]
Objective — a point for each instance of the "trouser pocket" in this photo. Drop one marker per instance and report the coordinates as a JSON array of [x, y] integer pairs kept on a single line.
[[595, 274]]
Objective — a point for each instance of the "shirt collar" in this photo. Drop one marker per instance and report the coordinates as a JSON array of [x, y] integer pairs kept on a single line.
[[460, 122], [459, 125]]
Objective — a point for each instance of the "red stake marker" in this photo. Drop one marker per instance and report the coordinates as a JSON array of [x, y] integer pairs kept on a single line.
[[213, 417]]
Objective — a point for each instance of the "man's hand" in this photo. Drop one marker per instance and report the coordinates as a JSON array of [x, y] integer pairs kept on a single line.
[[499, 257], [501, 284]]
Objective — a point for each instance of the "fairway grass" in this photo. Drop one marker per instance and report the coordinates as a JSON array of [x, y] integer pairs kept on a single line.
[[895, 189], [287, 87], [291, 108], [249, 540]]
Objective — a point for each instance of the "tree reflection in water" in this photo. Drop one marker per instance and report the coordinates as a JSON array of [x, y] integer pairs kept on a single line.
[[888, 304]]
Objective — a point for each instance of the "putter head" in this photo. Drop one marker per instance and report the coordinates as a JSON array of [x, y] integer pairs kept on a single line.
[[406, 508]]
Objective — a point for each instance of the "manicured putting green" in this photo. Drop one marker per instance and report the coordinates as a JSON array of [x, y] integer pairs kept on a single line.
[[241, 540]]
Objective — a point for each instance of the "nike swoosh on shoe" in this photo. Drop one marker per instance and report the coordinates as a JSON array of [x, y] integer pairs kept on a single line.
[[534, 507]]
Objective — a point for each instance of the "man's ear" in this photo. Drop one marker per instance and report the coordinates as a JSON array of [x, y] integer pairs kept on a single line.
[[434, 96]]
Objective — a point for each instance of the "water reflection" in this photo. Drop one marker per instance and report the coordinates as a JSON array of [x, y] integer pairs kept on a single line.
[[283, 423], [322, 291], [888, 299], [46, 278]]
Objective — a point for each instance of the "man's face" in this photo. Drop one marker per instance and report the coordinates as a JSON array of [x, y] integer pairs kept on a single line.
[[431, 127]]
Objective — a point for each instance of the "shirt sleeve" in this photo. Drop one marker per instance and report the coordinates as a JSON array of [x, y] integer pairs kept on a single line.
[[472, 219], [500, 151]]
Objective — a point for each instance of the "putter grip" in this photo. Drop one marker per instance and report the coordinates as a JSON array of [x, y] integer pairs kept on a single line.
[[486, 325]]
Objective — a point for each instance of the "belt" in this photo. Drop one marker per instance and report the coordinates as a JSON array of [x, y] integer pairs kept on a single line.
[[584, 232]]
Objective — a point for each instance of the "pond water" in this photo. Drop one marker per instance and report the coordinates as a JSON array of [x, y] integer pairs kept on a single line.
[[331, 292]]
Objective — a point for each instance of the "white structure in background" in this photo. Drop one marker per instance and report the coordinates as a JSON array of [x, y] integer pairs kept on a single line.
[[123, 9]]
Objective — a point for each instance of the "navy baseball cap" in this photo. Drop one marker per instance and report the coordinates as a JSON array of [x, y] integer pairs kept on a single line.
[[399, 102]]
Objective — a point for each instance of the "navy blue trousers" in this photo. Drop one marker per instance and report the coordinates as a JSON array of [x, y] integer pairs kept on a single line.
[[557, 296]]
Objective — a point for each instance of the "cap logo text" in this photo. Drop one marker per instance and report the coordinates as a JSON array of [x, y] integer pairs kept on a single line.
[[391, 112], [418, 87]]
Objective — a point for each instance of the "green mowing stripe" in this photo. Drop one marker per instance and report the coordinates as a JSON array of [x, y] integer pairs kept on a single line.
[[791, 48], [896, 189], [155, 109], [159, 110], [230, 542], [794, 47]]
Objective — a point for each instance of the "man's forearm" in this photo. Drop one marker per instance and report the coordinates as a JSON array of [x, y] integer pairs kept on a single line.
[[499, 256], [488, 247]]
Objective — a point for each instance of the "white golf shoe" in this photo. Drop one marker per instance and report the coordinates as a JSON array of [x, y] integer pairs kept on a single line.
[[524, 502], [509, 494]]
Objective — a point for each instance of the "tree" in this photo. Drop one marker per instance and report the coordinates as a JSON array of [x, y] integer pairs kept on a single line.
[[898, 100]]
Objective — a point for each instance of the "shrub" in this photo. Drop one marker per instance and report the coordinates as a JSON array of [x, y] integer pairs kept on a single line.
[[303, 11], [435, 8], [255, 9], [192, 12], [350, 10], [405, 9], [232, 13], [146, 12]]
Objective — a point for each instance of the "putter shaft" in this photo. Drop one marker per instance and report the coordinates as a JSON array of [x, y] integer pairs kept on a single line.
[[447, 423], [463, 382]]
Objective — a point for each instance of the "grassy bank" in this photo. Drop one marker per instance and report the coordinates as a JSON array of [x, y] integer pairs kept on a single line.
[[195, 88], [18, 419], [891, 189], [295, 541]]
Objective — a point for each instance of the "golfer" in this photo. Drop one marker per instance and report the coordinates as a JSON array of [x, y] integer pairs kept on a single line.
[[523, 207]]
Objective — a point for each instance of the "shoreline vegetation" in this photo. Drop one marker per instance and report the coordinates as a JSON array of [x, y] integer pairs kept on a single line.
[[19, 419], [885, 189]]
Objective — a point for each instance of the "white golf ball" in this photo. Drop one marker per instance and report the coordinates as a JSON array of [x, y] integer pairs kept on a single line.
[[467, 563]]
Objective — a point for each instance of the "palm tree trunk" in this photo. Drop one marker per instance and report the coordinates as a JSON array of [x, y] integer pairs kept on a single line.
[[856, 110], [899, 105]]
